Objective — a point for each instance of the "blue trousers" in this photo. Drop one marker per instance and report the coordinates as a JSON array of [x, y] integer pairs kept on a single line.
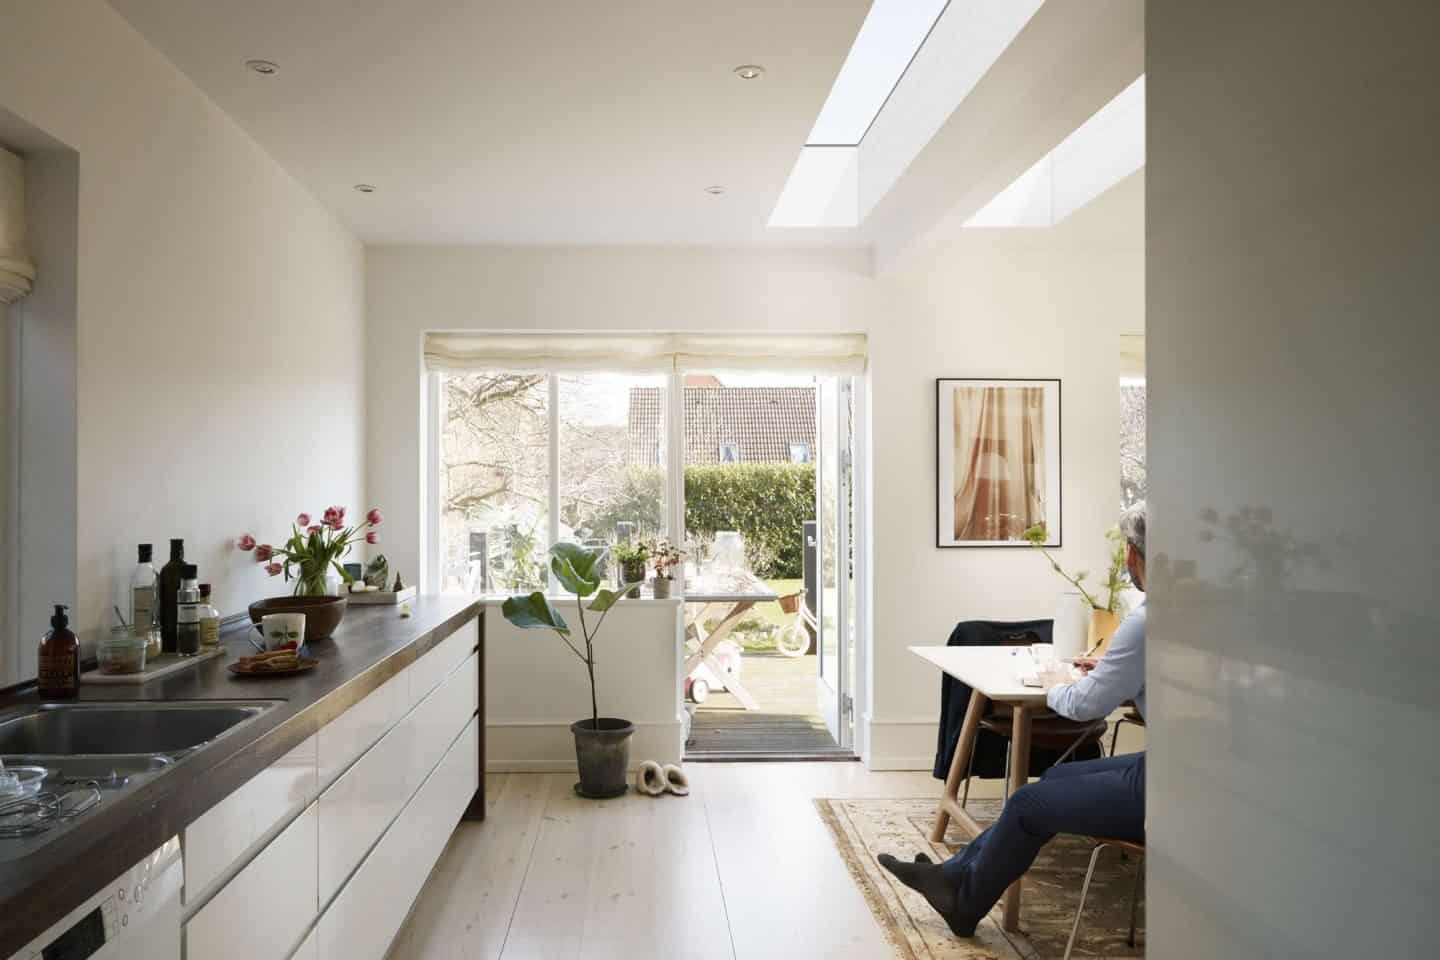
[[1098, 798]]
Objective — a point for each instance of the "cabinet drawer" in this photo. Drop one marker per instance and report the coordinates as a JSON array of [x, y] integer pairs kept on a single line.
[[244, 821], [438, 663], [262, 913], [364, 919], [349, 735], [356, 809]]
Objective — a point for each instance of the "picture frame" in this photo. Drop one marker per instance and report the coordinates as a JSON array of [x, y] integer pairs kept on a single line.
[[997, 461]]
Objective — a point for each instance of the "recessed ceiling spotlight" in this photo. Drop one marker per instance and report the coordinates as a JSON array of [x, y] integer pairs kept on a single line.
[[265, 67], [365, 187], [749, 71], [715, 191]]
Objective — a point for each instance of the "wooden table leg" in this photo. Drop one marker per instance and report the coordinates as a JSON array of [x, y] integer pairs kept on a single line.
[[1019, 776], [959, 763]]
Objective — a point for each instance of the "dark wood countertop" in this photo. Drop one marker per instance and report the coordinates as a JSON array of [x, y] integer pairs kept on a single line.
[[372, 644]]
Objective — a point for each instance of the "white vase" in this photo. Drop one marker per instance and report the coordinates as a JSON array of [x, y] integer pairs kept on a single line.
[[1072, 625]]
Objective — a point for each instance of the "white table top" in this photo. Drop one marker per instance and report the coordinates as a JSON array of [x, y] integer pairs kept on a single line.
[[729, 588], [994, 671]]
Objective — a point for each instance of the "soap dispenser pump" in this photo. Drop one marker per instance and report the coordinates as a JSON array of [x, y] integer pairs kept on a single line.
[[59, 674]]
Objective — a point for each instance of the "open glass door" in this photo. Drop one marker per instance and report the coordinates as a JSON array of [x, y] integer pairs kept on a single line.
[[835, 586]]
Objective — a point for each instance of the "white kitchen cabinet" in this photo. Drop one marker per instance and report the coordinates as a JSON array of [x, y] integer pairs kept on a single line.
[[243, 822], [364, 918], [264, 910], [349, 735], [356, 809], [310, 949], [426, 673]]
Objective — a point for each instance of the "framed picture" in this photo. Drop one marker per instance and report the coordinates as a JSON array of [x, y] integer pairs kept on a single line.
[[997, 461]]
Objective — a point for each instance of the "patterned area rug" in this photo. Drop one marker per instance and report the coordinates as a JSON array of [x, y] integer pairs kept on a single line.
[[863, 829]]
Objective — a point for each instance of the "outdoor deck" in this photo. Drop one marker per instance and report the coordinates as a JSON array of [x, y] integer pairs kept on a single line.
[[786, 723]]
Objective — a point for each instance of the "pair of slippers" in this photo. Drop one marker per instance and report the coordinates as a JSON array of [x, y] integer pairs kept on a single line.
[[653, 779]]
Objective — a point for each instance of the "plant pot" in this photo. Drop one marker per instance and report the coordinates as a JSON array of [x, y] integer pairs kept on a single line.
[[1102, 627], [322, 614], [603, 756], [662, 588], [632, 573]]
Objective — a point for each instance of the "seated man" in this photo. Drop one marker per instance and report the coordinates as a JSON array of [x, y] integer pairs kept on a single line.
[[1101, 798]]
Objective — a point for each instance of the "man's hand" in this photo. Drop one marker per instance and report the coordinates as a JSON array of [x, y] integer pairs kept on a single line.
[[1085, 664]]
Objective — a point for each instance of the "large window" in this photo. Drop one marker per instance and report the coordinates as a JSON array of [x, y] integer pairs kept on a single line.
[[511, 445]]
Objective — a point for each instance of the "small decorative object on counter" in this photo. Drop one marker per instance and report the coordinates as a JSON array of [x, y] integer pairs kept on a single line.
[[209, 621], [169, 594], [122, 651], [59, 674], [377, 573], [314, 550], [144, 591], [187, 614], [399, 584], [405, 610]]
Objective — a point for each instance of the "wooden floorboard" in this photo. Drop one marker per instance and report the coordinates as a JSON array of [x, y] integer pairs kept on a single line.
[[787, 722]]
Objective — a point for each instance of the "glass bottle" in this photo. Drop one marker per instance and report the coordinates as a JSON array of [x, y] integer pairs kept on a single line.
[[209, 622], [170, 576], [59, 668], [187, 612], [144, 592]]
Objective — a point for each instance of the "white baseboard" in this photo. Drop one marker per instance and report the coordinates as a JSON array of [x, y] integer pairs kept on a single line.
[[900, 743], [534, 746]]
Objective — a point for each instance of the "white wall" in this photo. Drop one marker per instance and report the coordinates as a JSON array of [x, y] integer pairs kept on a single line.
[[1292, 667], [220, 315], [535, 687], [1005, 303]]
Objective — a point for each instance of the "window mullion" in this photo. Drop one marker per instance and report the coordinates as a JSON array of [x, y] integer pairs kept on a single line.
[[553, 505]]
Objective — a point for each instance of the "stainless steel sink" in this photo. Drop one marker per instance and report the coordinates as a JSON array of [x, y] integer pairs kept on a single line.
[[107, 729]]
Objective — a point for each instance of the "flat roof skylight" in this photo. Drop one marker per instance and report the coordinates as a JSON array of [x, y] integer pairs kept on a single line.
[[888, 39]]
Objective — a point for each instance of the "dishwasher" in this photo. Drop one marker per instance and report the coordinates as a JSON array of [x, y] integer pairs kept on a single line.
[[136, 916]]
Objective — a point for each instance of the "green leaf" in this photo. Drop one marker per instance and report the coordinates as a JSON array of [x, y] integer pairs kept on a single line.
[[606, 599], [575, 567], [533, 611], [341, 570]]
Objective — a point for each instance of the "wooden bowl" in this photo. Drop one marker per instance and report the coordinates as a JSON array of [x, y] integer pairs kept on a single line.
[[322, 614]]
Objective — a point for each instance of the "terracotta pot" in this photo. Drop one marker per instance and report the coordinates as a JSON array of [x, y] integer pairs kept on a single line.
[[322, 614]]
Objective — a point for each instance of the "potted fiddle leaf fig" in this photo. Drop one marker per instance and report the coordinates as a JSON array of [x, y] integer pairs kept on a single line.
[[602, 744]]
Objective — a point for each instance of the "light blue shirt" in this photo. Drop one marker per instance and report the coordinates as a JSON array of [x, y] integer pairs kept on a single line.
[[1117, 677]]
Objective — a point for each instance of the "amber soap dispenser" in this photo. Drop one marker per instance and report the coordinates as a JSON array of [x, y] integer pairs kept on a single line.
[[59, 659]]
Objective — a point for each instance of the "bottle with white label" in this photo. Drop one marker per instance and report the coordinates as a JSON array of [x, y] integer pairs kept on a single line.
[[187, 612], [144, 593]]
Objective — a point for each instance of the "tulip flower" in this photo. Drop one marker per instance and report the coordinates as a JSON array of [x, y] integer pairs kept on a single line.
[[303, 520], [246, 542], [374, 516], [263, 552], [372, 537], [273, 569], [314, 528]]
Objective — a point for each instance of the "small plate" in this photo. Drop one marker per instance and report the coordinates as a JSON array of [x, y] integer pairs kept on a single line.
[[306, 663]]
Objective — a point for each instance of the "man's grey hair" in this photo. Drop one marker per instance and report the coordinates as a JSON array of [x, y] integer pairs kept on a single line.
[[1132, 526]]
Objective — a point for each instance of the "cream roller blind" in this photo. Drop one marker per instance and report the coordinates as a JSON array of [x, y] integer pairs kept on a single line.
[[821, 353]]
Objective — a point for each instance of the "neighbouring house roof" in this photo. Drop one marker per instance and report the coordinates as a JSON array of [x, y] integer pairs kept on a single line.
[[761, 423]]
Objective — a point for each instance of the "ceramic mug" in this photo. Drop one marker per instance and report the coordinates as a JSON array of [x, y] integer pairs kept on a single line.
[[282, 630]]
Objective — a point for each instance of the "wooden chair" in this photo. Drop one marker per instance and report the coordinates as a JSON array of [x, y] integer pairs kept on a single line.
[[1132, 716], [1125, 846]]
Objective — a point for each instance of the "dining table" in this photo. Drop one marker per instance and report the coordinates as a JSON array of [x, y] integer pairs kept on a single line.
[[994, 674], [728, 595]]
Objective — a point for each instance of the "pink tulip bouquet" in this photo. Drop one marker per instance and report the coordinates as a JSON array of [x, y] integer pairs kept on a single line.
[[313, 548]]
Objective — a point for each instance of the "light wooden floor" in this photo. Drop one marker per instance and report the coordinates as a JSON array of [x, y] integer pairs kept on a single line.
[[740, 869]]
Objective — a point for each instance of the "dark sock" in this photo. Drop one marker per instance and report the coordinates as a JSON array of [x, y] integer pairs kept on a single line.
[[929, 880], [923, 858]]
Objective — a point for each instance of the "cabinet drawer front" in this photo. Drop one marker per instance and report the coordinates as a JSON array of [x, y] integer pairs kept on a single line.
[[244, 821], [364, 919], [262, 913], [355, 810], [349, 735], [427, 673]]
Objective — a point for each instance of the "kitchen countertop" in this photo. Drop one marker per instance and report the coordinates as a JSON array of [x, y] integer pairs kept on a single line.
[[371, 644]]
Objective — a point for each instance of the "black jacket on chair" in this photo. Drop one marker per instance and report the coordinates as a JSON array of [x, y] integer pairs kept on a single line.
[[990, 749]]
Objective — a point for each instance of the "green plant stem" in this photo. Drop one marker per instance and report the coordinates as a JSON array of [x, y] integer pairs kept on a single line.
[[590, 660], [1094, 605]]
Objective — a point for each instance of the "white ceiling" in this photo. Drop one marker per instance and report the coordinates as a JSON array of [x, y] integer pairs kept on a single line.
[[524, 121]]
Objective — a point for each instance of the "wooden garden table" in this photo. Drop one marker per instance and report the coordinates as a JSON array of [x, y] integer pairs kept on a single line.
[[732, 595]]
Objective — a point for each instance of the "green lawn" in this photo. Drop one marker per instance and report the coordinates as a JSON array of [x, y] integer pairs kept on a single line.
[[757, 631]]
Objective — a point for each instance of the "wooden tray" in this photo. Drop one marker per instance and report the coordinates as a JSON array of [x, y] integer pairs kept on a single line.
[[163, 665], [382, 597], [306, 663]]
